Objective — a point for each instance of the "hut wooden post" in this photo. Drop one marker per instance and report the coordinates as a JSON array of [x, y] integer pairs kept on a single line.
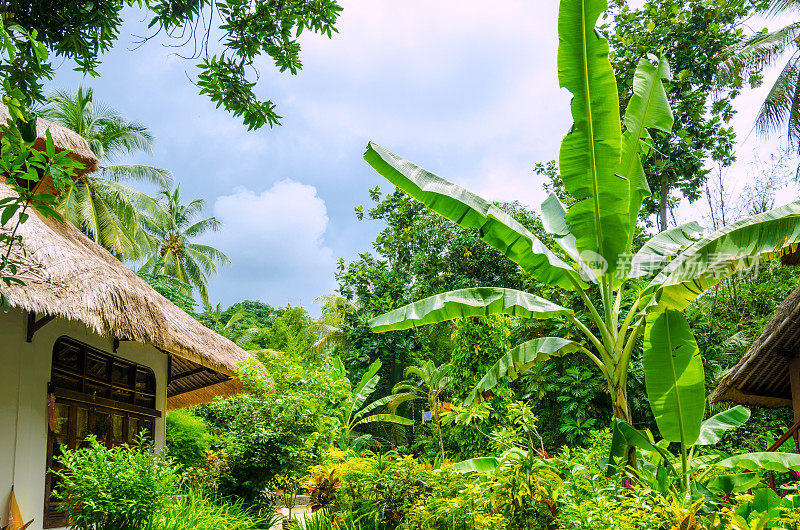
[[794, 380]]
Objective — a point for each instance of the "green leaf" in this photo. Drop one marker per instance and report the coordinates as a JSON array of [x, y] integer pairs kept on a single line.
[[782, 462], [674, 377], [386, 418], [554, 221], [736, 483], [590, 153], [466, 209], [477, 301], [367, 384], [713, 428], [8, 213], [647, 108], [633, 437], [719, 255], [664, 246], [514, 363], [50, 146], [372, 406], [481, 464]]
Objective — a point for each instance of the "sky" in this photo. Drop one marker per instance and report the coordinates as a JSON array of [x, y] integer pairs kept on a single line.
[[467, 92]]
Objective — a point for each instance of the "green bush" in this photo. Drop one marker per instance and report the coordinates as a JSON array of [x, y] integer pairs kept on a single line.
[[264, 435], [114, 489], [187, 438]]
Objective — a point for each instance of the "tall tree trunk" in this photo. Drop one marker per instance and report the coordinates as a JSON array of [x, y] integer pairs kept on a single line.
[[663, 199], [439, 425]]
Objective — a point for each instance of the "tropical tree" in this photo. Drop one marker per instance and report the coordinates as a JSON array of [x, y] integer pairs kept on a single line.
[[329, 327], [769, 48], [173, 225], [103, 205], [601, 168], [696, 37], [354, 413], [429, 384]]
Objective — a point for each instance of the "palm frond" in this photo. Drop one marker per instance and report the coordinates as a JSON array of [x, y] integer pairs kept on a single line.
[[200, 260], [201, 227], [777, 105], [138, 173], [209, 252], [761, 51]]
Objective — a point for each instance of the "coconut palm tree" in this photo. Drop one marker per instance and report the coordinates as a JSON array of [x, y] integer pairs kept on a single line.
[[103, 205], [172, 225], [329, 328], [781, 107]]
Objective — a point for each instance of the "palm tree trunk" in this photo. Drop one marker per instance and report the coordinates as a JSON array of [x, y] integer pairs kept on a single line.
[[441, 438]]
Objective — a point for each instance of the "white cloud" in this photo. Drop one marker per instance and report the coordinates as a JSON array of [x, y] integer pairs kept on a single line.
[[275, 240]]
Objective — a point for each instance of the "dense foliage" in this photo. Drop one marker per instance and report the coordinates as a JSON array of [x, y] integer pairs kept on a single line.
[[273, 433], [697, 38], [134, 488], [114, 489], [247, 31]]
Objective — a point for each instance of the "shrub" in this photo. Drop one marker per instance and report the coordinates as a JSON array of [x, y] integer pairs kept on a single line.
[[114, 489], [187, 438]]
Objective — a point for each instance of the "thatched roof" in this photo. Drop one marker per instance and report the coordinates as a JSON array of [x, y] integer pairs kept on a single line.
[[761, 377], [64, 140], [68, 275], [791, 256]]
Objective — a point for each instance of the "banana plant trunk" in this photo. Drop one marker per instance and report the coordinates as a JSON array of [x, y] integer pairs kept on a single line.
[[622, 412], [619, 398]]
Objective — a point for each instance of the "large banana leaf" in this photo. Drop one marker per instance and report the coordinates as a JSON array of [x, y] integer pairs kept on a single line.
[[626, 435], [466, 209], [473, 302], [647, 108], [554, 221], [719, 255], [480, 464], [782, 462], [511, 365], [674, 378], [372, 406], [590, 153], [713, 428], [385, 418], [663, 247], [736, 483], [366, 385]]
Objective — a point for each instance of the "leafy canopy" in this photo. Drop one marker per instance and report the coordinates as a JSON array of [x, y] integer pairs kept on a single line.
[[246, 30]]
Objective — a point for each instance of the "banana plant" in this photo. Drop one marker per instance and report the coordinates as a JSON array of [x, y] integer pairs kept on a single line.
[[659, 467], [354, 413], [700, 476], [600, 164]]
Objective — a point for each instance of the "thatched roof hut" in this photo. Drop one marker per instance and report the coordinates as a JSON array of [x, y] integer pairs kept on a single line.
[[64, 140], [762, 377], [67, 275]]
